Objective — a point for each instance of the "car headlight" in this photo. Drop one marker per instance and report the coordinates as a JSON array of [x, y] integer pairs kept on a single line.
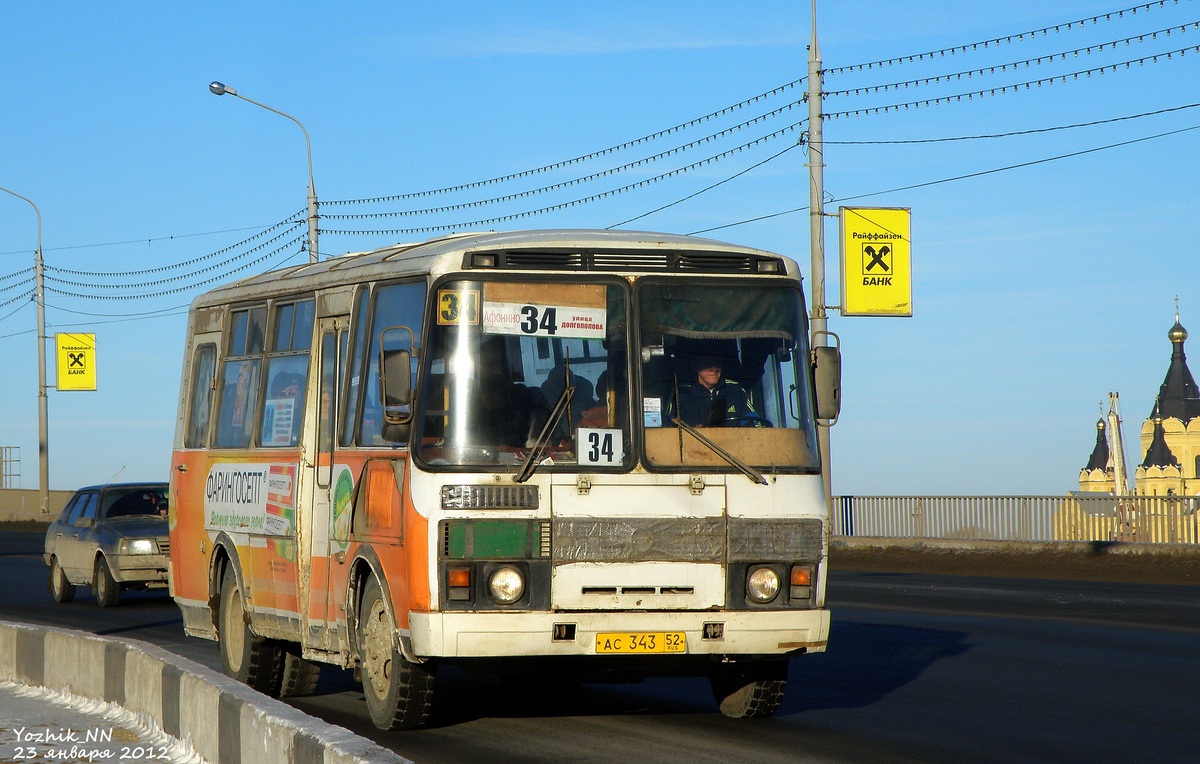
[[506, 585], [139, 546], [762, 585]]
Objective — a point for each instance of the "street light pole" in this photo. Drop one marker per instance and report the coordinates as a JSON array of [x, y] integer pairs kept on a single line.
[[43, 408], [818, 318], [218, 88]]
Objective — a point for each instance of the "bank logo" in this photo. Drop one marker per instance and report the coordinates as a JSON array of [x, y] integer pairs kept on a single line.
[[877, 265]]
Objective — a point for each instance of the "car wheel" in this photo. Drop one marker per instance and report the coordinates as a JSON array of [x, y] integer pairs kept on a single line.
[[60, 588], [245, 656], [749, 690], [104, 586], [399, 692]]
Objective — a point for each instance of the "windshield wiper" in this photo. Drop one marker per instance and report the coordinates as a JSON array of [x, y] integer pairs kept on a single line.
[[751, 473], [561, 406]]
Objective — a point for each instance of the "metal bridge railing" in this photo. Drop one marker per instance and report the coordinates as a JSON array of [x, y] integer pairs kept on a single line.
[[1147, 519]]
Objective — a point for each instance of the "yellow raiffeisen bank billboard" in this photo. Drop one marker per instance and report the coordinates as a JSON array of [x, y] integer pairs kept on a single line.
[[876, 261], [76, 361]]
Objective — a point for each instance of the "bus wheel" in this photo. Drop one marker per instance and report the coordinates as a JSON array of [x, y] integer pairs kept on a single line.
[[60, 588], [104, 586], [299, 674], [245, 656], [749, 689], [399, 692]]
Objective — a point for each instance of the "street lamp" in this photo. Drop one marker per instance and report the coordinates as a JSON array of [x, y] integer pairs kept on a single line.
[[43, 416], [218, 88]]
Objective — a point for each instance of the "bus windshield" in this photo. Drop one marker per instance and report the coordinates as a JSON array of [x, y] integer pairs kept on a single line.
[[504, 357], [730, 361]]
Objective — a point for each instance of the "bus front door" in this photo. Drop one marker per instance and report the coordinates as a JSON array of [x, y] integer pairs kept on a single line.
[[331, 491]]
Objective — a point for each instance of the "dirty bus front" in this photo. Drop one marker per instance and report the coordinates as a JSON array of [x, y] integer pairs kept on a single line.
[[569, 453]]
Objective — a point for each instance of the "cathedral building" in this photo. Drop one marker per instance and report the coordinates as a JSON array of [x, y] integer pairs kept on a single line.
[[1168, 462]]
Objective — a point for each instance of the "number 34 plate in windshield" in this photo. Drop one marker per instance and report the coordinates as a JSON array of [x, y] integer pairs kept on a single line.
[[627, 642]]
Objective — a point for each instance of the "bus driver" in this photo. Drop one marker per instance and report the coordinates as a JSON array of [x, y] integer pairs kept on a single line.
[[712, 400]]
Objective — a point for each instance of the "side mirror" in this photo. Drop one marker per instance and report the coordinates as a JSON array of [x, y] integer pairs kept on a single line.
[[84, 522], [397, 378], [827, 381], [395, 372]]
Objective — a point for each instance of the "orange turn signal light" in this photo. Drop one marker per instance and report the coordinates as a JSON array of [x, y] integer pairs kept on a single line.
[[801, 576], [458, 577]]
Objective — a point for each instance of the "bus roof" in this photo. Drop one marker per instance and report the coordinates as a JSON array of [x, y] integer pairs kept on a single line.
[[448, 253]]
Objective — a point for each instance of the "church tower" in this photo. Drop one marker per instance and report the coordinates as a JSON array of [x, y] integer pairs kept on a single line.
[[1170, 437], [1097, 476]]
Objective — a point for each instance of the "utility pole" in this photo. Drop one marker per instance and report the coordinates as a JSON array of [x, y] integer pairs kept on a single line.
[[818, 319], [43, 415]]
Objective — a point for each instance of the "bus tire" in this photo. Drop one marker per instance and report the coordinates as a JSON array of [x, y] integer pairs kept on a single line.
[[104, 586], [245, 656], [749, 689], [300, 675], [60, 588], [399, 692]]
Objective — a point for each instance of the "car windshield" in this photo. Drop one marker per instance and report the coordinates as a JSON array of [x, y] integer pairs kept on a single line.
[[134, 501], [519, 372], [730, 361]]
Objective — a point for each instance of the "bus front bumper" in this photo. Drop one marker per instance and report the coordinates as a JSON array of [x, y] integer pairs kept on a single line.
[[492, 635]]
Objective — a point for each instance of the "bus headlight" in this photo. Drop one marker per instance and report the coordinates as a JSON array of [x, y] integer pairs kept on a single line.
[[506, 585], [762, 585]]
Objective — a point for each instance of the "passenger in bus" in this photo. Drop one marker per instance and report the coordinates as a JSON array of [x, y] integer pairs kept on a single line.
[[713, 400], [507, 411], [287, 389], [581, 398], [597, 416], [287, 385]]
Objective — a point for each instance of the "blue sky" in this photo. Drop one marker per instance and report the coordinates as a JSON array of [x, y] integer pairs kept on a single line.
[[1037, 289]]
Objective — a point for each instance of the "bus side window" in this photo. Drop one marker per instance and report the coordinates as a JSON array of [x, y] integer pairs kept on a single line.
[[287, 374], [395, 305], [204, 367], [240, 377], [351, 390]]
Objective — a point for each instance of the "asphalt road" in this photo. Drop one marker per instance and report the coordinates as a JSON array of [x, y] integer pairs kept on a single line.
[[920, 669]]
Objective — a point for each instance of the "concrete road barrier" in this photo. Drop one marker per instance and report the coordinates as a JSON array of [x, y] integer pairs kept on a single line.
[[224, 721]]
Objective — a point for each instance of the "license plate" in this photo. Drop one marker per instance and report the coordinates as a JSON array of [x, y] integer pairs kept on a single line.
[[630, 642]]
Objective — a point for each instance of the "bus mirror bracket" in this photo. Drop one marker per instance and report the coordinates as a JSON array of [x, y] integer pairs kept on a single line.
[[397, 349], [827, 380]]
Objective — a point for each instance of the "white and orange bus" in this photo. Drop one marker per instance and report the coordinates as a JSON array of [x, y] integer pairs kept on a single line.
[[477, 451]]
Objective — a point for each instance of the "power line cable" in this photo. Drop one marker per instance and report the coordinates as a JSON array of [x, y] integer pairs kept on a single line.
[[17, 284], [940, 181], [19, 297], [292, 220], [15, 311], [147, 313], [150, 240], [706, 188], [1149, 6], [1019, 36], [1003, 89], [174, 279], [132, 318], [760, 218], [576, 160], [1032, 131], [1022, 164], [14, 274], [576, 181], [293, 242], [572, 203], [988, 70]]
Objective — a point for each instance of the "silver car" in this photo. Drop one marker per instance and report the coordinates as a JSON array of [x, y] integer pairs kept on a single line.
[[110, 537]]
